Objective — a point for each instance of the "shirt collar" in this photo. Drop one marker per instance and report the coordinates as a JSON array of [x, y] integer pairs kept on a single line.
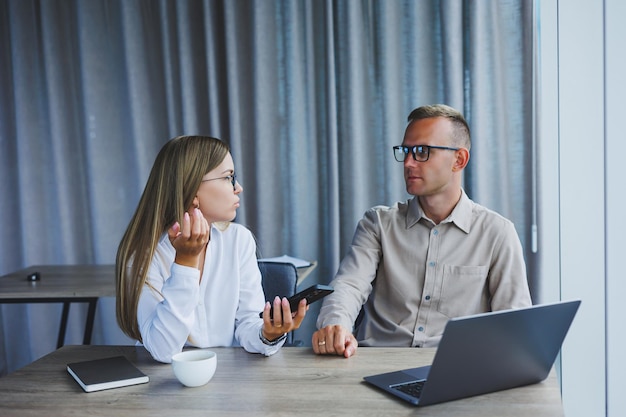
[[461, 215]]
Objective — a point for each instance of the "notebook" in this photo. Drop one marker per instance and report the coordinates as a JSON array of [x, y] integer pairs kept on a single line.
[[107, 373], [485, 353]]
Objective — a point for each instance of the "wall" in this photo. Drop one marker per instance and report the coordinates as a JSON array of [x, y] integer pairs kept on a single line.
[[615, 78], [582, 85]]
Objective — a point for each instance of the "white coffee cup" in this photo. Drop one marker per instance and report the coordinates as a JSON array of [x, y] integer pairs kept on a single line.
[[194, 368]]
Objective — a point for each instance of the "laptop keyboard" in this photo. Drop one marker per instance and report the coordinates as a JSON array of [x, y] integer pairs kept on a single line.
[[413, 388]]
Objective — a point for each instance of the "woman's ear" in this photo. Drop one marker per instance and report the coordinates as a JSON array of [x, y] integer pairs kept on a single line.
[[462, 159], [195, 203]]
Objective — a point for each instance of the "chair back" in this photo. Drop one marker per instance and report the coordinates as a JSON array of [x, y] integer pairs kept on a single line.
[[279, 278]]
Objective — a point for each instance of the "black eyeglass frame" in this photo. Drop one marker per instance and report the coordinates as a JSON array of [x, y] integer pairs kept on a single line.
[[232, 178], [413, 149]]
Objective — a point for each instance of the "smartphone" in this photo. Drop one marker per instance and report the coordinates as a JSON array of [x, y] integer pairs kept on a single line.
[[312, 294]]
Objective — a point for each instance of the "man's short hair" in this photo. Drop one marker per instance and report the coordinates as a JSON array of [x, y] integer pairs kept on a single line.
[[460, 128]]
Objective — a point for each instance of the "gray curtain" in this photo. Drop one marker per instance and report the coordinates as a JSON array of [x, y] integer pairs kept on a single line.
[[310, 95]]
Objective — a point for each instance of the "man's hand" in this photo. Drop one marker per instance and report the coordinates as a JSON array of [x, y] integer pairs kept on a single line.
[[334, 340]]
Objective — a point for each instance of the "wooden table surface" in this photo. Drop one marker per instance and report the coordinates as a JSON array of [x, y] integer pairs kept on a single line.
[[65, 284], [294, 382], [59, 281]]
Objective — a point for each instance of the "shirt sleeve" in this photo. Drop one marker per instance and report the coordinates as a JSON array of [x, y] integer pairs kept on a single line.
[[251, 300], [353, 282], [508, 282], [166, 309]]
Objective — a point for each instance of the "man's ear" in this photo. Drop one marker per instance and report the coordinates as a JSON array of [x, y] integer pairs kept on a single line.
[[462, 159]]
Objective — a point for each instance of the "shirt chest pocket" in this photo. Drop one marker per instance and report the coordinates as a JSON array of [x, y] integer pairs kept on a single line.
[[463, 290]]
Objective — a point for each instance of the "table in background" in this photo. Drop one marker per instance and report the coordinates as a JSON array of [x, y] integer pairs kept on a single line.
[[304, 271], [72, 284], [294, 382], [61, 284]]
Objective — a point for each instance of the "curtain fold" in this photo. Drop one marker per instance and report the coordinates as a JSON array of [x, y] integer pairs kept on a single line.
[[310, 95]]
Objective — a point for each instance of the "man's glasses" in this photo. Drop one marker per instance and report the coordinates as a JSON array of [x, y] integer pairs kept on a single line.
[[420, 153], [231, 178]]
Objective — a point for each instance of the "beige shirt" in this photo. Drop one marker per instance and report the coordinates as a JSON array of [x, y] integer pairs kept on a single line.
[[413, 275]]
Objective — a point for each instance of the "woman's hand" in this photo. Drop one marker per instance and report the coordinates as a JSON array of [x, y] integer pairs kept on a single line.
[[190, 239], [282, 323]]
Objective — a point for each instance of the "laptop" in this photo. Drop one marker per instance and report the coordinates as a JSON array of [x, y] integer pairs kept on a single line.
[[484, 353]]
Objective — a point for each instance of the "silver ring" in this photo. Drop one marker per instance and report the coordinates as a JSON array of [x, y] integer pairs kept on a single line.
[[322, 343]]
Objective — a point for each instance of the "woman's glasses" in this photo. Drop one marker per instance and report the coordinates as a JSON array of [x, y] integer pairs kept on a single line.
[[231, 178]]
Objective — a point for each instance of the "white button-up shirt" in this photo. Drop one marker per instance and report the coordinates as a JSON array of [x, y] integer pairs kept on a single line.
[[222, 309]]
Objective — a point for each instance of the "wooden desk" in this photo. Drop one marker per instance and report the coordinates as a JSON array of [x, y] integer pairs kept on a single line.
[[294, 382], [61, 284]]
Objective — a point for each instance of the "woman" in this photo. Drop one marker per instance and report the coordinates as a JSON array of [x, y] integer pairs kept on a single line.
[[185, 274]]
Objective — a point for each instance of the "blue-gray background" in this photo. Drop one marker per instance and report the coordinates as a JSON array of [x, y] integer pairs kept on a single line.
[[311, 95]]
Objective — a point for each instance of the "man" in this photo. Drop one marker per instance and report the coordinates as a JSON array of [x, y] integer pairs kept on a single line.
[[414, 265]]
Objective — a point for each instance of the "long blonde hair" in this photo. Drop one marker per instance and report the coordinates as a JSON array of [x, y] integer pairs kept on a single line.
[[171, 187]]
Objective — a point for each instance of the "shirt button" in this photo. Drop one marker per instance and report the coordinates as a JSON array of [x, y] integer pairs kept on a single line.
[[421, 329], [431, 263], [435, 232], [427, 297]]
